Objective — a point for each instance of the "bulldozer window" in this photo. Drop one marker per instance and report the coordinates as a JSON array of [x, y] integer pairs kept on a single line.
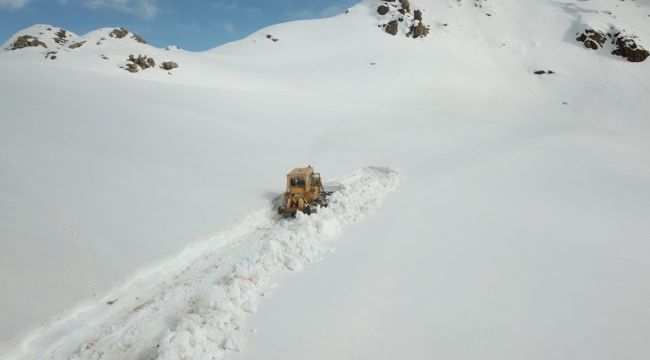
[[297, 181]]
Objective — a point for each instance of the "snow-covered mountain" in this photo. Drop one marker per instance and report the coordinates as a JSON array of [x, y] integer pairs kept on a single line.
[[511, 139]]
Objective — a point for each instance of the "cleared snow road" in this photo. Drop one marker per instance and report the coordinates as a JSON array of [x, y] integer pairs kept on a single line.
[[195, 305]]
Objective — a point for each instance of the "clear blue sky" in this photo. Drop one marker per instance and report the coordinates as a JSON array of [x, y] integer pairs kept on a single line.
[[190, 24]]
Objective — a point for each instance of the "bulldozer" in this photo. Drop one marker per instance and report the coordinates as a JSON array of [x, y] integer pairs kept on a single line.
[[305, 192]]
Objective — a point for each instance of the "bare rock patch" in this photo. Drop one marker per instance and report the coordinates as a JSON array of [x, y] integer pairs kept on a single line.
[[26, 41]]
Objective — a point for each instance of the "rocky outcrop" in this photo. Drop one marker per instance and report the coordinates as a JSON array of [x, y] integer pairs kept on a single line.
[[61, 37], [627, 47], [142, 62], [77, 45], [401, 16], [121, 33], [623, 45], [26, 41], [138, 38]]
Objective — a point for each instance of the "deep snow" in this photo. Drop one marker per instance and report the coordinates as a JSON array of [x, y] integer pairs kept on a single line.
[[520, 232]]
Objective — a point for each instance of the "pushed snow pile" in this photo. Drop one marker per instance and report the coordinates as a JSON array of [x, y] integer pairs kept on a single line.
[[194, 306]]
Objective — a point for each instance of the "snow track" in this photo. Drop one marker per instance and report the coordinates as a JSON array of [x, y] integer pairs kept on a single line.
[[194, 305]]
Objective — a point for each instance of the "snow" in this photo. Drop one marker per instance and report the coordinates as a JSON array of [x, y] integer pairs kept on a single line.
[[520, 230], [205, 293]]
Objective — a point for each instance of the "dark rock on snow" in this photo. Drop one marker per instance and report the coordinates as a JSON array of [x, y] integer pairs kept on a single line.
[[168, 65], [26, 41], [141, 62], [627, 47], [391, 27]]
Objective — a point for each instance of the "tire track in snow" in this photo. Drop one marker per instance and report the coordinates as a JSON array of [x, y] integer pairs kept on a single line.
[[195, 305]]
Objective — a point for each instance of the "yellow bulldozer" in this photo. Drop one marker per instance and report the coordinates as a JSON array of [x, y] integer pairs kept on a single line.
[[305, 192]]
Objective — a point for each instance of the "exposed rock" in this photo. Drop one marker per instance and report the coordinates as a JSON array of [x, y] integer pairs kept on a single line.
[[168, 65], [593, 39], [122, 33], [419, 30], [138, 38], [539, 72], [627, 47], [61, 37], [402, 17], [624, 45], [51, 55], [141, 62], [77, 45], [26, 41], [119, 33], [406, 5], [270, 37], [104, 57], [391, 27]]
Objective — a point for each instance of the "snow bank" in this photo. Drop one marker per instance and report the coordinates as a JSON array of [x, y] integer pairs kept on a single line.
[[195, 305], [216, 320]]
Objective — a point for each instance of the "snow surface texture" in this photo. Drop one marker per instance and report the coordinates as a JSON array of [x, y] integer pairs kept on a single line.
[[522, 231], [205, 294]]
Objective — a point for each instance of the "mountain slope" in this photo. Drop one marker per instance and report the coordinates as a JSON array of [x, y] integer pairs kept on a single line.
[[520, 228]]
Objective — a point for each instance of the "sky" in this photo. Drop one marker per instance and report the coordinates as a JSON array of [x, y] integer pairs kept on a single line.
[[191, 24]]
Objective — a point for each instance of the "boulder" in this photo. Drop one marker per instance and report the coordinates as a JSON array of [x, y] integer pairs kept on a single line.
[[592, 39], [168, 65], [417, 15], [419, 30], [405, 5], [392, 27], [382, 10]]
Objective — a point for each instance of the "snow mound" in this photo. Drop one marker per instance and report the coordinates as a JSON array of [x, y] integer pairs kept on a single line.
[[203, 296]]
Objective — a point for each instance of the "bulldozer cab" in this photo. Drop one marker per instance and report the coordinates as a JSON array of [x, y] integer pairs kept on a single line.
[[301, 180]]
